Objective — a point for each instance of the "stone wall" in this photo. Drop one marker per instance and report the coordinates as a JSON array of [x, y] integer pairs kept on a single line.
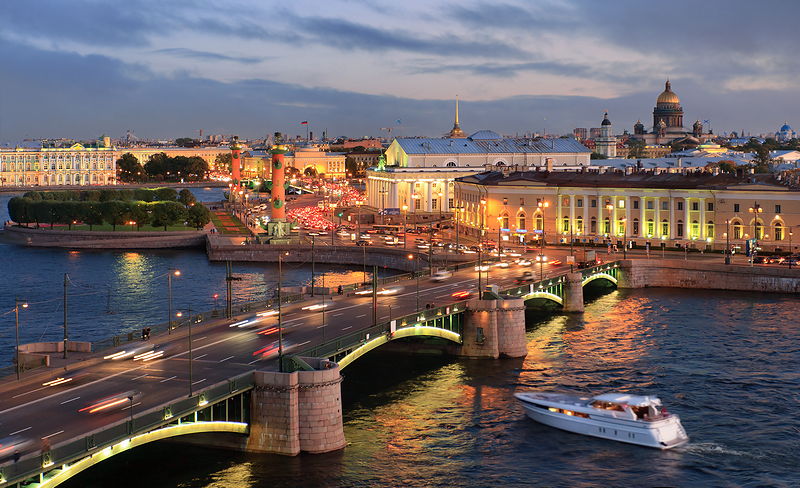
[[670, 273], [493, 329], [75, 239]]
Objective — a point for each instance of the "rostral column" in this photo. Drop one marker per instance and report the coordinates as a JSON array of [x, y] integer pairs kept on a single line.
[[236, 162], [278, 229]]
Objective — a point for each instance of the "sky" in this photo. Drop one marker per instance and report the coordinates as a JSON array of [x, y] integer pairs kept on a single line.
[[82, 68]]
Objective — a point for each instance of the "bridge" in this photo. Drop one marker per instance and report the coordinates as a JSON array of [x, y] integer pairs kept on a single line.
[[222, 381]]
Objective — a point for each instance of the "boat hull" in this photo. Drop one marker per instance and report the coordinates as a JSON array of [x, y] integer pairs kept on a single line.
[[662, 434]]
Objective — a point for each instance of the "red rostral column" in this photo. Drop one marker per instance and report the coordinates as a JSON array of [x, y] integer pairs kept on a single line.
[[278, 183], [236, 161]]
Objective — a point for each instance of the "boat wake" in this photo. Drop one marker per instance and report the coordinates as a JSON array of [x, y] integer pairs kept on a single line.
[[714, 448]]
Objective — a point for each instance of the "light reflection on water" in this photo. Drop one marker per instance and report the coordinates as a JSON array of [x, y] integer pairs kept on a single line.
[[727, 363]]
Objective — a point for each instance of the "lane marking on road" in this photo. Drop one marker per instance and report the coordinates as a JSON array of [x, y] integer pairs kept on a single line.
[[254, 361], [28, 392], [199, 381], [303, 343], [70, 400], [201, 356], [361, 316], [167, 379], [289, 314], [199, 339], [21, 430], [139, 377], [229, 357], [131, 406], [337, 314], [348, 327], [54, 433], [385, 317]]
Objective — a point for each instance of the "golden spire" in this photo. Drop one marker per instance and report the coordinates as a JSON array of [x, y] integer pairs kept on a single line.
[[456, 132]]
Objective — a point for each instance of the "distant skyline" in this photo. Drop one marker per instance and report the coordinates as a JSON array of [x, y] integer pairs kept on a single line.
[[82, 68]]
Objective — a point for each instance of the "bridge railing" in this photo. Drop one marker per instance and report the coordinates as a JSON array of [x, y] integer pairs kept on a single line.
[[70, 451], [604, 267], [362, 336]]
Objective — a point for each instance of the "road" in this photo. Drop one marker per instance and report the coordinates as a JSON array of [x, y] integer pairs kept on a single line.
[[34, 415]]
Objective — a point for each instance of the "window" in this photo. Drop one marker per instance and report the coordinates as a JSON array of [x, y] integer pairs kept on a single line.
[[593, 203], [695, 229], [665, 205], [777, 209], [695, 206], [710, 229], [735, 207], [649, 205], [651, 228], [505, 222], [539, 222], [636, 227], [621, 204], [593, 226], [679, 205], [579, 225], [778, 231], [679, 231], [579, 203], [505, 201], [710, 206], [606, 226], [521, 202], [737, 230], [521, 221], [451, 164], [636, 204], [759, 227]]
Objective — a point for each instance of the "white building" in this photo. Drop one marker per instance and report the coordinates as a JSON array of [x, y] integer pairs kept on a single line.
[[606, 144]]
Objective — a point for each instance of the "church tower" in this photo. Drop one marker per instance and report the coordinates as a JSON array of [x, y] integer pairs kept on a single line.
[[606, 144], [668, 110], [456, 132]]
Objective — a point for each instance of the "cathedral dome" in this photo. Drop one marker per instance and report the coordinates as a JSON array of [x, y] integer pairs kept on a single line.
[[668, 96], [785, 128]]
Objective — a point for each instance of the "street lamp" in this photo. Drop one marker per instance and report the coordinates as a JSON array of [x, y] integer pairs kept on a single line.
[[17, 304], [480, 244], [755, 210], [727, 241], [608, 229], [405, 224], [170, 274], [179, 315], [499, 246], [215, 296], [280, 314], [624, 238], [416, 261], [542, 206], [791, 252]]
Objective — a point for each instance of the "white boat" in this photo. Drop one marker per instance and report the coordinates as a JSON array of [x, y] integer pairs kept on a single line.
[[616, 416]]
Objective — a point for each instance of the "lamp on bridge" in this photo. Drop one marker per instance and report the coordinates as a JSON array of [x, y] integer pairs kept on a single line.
[[608, 228], [416, 274], [542, 206], [170, 274], [280, 315], [757, 229], [179, 314], [405, 224], [17, 305], [624, 223]]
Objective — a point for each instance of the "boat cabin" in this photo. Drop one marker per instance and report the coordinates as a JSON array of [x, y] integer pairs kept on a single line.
[[636, 406]]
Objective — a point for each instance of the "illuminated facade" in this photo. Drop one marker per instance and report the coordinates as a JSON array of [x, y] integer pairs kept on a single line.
[[72, 165], [699, 210]]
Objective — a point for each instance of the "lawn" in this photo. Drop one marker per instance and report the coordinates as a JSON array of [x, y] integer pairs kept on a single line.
[[227, 224], [120, 228]]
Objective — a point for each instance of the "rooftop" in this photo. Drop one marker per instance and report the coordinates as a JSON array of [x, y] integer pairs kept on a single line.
[[485, 143]]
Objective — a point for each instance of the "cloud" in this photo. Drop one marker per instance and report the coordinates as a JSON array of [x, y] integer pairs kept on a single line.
[[207, 56]]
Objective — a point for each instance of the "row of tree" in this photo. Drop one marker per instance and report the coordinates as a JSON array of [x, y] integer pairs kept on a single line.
[[185, 196], [112, 212], [160, 167]]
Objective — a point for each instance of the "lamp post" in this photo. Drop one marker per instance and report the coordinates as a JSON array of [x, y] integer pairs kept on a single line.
[[405, 224], [215, 296], [170, 274], [480, 246], [609, 230], [17, 304], [189, 313], [542, 206], [313, 263], [624, 238], [727, 241], [280, 314], [416, 261], [791, 251], [499, 247], [755, 210]]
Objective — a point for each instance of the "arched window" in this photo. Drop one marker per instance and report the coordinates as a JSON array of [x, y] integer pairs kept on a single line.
[[521, 221], [504, 220], [710, 229], [651, 228], [579, 225], [593, 226], [737, 229], [635, 229], [606, 226], [451, 164], [500, 163], [695, 229], [679, 229], [539, 222], [778, 231], [759, 229], [565, 228]]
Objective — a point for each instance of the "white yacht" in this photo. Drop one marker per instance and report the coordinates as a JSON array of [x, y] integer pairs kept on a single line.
[[617, 416]]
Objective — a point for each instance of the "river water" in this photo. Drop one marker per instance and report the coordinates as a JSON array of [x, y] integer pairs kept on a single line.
[[727, 363]]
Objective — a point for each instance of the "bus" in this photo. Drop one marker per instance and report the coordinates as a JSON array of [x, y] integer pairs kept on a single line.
[[386, 229]]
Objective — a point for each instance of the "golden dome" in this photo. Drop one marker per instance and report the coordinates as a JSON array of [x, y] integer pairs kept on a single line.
[[668, 96]]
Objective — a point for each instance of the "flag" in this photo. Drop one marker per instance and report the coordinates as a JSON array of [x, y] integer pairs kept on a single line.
[[398, 122], [305, 122]]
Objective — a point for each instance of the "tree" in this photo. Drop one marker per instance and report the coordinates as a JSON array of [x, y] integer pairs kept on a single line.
[[114, 212], [43, 211], [199, 216], [92, 213], [140, 213], [186, 142], [129, 169], [19, 210], [223, 163], [165, 194], [156, 166], [636, 148], [186, 197], [596, 155], [168, 213], [726, 166]]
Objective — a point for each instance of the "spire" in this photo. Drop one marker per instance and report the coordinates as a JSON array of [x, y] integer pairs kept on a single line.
[[667, 86], [456, 132]]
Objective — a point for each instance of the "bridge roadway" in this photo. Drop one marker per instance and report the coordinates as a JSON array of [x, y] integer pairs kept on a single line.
[[38, 416]]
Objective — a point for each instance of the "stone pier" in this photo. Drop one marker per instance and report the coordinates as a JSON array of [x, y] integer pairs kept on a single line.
[[297, 412], [573, 293], [494, 329]]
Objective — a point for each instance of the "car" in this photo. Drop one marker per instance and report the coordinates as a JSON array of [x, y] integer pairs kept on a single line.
[[483, 267], [555, 262], [112, 403], [525, 277], [362, 242], [524, 262], [790, 261], [441, 276], [590, 263], [760, 260], [502, 264], [462, 295]]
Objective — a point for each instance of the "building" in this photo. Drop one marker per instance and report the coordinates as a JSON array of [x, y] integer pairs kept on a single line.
[[208, 153], [698, 209], [48, 164], [580, 133], [785, 133], [365, 143], [606, 143], [419, 173], [308, 160], [668, 123]]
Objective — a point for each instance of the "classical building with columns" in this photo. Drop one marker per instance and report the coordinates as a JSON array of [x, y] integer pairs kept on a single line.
[[700, 210], [47, 164], [419, 172]]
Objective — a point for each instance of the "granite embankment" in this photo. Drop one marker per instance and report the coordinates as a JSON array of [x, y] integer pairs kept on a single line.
[[77, 239]]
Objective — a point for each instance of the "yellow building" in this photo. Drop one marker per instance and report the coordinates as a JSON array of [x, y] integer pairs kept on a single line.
[[699, 210], [51, 165]]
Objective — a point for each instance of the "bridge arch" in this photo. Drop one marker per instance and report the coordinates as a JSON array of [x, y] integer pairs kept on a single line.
[[376, 342], [599, 276], [67, 471], [544, 294]]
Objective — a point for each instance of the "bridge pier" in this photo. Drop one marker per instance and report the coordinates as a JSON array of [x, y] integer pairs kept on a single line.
[[573, 293], [494, 329], [297, 412]]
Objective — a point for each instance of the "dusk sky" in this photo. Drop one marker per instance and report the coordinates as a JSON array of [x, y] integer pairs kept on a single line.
[[163, 69]]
